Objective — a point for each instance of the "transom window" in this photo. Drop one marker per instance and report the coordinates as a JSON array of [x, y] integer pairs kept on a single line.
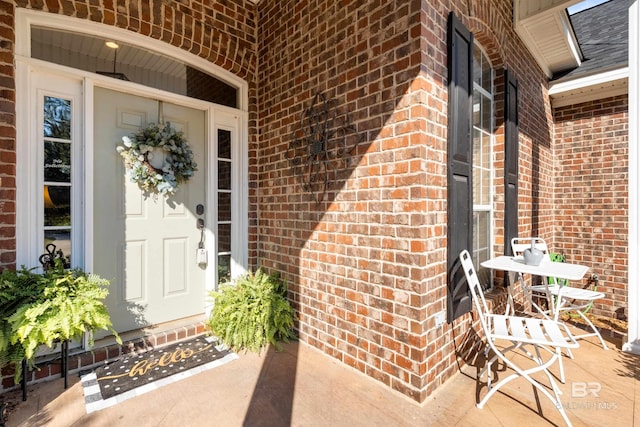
[[483, 112], [126, 62]]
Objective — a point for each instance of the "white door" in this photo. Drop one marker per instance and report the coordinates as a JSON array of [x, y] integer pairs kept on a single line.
[[146, 246]]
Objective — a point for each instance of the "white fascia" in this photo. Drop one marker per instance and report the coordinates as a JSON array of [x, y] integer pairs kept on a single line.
[[588, 81]]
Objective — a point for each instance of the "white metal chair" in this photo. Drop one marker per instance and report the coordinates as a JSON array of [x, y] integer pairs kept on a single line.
[[522, 332], [559, 297]]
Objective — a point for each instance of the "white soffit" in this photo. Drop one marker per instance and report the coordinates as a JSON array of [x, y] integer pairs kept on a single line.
[[544, 27], [585, 89]]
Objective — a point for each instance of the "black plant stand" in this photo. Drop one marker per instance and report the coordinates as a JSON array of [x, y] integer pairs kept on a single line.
[[24, 380], [48, 260], [64, 368], [65, 361]]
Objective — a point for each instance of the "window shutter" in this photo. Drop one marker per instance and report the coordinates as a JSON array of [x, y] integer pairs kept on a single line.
[[459, 164], [511, 161]]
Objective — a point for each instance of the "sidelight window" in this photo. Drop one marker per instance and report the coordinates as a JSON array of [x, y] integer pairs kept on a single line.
[[57, 149]]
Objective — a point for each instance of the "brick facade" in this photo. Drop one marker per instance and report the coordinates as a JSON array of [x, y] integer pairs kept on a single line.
[[7, 137], [592, 196], [365, 265]]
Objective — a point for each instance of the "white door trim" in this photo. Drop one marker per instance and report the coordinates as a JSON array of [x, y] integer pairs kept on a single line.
[[217, 115]]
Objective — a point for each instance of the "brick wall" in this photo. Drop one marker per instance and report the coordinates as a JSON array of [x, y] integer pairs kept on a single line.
[[7, 137], [591, 200], [366, 266]]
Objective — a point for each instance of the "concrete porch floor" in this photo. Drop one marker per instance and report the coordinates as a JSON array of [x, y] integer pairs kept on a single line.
[[303, 387]]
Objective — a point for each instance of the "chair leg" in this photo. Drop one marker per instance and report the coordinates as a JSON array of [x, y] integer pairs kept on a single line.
[[595, 331], [567, 309], [555, 398]]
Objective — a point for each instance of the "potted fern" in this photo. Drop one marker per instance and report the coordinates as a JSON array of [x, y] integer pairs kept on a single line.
[[56, 306], [17, 289], [252, 312]]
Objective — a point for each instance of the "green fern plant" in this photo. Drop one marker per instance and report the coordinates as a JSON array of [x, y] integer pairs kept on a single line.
[[17, 289], [61, 305], [252, 311]]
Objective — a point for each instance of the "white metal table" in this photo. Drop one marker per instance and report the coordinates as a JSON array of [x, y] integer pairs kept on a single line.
[[547, 268]]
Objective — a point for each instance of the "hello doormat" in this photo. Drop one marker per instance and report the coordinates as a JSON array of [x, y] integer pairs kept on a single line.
[[133, 375]]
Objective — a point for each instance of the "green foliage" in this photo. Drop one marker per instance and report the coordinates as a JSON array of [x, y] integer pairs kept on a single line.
[[47, 308], [252, 312], [17, 289]]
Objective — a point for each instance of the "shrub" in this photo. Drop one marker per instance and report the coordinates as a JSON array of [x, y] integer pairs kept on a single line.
[[252, 311]]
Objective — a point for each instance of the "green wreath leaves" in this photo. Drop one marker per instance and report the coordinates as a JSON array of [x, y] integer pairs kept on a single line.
[[158, 158]]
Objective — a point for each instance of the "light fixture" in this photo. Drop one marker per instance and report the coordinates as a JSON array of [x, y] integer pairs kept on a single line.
[[115, 46]]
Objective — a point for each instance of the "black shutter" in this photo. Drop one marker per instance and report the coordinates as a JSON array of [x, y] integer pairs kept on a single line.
[[459, 165], [511, 161]]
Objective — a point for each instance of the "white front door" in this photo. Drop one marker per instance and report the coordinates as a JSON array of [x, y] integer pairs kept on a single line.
[[146, 246]]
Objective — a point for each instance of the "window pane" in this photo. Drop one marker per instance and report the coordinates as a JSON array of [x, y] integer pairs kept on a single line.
[[481, 168], [224, 206], [224, 268], [61, 239], [481, 236], [57, 161], [224, 175], [486, 114], [485, 179], [477, 185], [57, 206], [57, 118], [484, 159], [487, 75], [224, 237], [224, 144], [476, 108], [203, 86], [477, 65]]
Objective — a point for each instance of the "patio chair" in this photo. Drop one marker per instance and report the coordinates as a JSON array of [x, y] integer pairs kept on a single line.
[[543, 334], [558, 297]]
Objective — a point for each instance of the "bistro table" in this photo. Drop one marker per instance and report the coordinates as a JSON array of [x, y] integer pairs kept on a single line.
[[547, 268]]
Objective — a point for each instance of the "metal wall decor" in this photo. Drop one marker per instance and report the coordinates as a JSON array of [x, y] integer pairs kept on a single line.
[[322, 144], [48, 259]]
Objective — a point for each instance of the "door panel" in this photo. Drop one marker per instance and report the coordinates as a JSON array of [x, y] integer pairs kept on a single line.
[[146, 245]]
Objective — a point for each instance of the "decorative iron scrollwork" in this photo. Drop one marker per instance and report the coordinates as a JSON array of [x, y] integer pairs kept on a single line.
[[321, 139], [48, 259]]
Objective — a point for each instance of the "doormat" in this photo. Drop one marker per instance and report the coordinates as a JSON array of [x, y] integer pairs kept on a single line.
[[133, 375]]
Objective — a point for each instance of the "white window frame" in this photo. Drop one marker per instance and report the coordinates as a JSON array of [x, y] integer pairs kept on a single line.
[[487, 207]]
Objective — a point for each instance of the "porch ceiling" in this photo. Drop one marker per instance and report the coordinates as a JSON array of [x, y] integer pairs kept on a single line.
[[545, 28]]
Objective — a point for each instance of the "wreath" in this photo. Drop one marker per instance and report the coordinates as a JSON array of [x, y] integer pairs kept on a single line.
[[158, 158]]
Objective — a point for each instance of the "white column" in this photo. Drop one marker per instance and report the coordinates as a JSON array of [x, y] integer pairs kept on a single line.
[[633, 337]]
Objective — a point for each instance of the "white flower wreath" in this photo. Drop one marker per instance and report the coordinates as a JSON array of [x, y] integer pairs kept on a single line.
[[158, 158]]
